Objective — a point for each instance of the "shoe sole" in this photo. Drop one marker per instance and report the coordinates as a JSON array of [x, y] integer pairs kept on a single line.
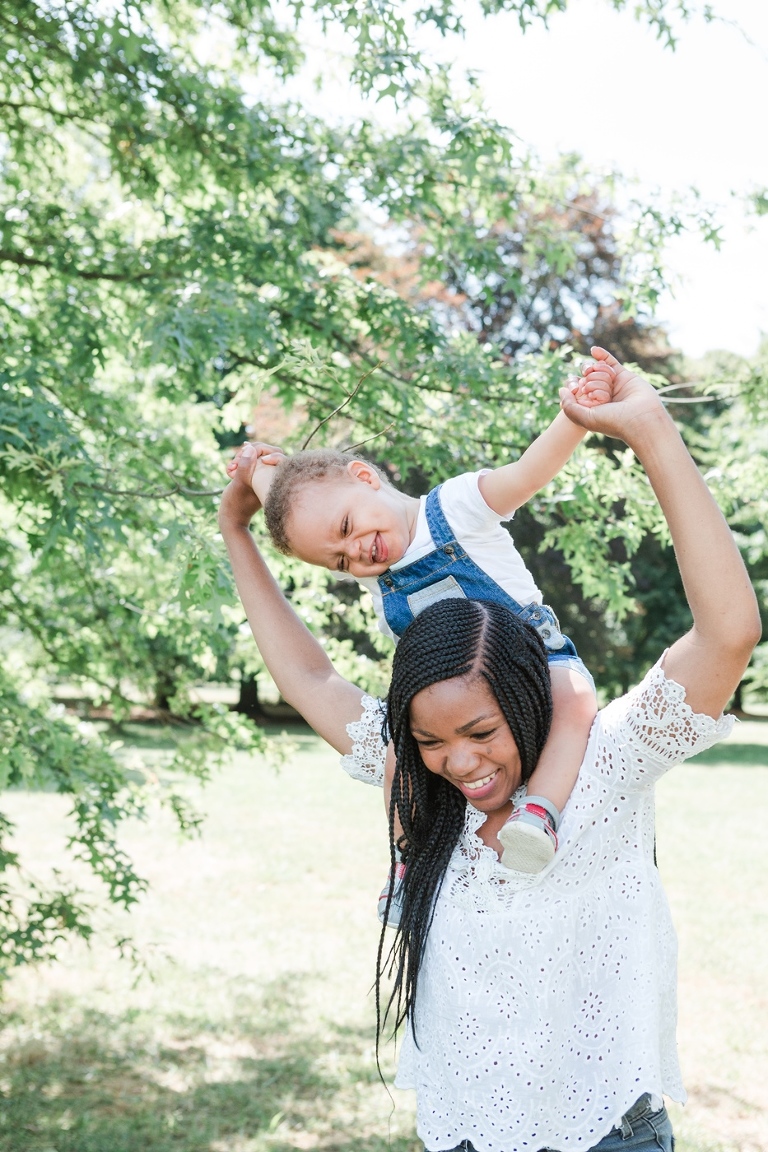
[[526, 849]]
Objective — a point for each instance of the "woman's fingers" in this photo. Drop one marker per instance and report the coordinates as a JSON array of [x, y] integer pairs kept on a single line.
[[576, 410], [256, 451], [603, 355]]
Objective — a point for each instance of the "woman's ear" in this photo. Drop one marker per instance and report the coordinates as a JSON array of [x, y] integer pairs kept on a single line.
[[359, 470]]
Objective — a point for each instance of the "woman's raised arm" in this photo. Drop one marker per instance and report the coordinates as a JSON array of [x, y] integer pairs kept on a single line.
[[709, 661], [303, 673]]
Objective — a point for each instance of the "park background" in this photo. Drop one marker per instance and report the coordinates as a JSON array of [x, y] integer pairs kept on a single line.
[[240, 217]]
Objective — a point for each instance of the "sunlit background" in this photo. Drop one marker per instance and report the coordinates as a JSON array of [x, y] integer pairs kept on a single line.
[[600, 83]]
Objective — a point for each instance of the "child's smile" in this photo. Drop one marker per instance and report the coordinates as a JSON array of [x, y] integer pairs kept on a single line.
[[357, 525]]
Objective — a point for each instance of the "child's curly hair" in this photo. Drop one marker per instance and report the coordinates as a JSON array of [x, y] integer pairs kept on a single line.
[[293, 474]]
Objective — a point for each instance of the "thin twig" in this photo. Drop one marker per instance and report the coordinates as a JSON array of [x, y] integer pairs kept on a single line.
[[663, 393], [177, 490], [691, 399], [354, 447], [343, 404], [718, 383]]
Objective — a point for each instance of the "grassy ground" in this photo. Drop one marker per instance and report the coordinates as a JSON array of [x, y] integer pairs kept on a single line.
[[255, 1033]]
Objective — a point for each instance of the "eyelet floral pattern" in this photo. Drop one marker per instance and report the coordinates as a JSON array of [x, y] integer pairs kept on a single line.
[[366, 760], [547, 1003]]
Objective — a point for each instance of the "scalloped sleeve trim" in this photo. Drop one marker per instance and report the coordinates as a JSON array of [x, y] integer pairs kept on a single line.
[[656, 719], [369, 752]]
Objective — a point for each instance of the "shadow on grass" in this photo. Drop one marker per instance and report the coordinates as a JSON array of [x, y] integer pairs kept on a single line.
[[743, 755], [151, 736], [88, 1081]]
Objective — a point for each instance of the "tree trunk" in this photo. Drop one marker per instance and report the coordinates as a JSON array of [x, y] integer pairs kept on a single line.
[[737, 703], [248, 701]]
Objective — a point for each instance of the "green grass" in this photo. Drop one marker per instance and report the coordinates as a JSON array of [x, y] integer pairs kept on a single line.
[[255, 1032]]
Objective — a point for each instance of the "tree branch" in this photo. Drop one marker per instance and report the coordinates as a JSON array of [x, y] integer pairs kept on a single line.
[[23, 261], [341, 406], [177, 490]]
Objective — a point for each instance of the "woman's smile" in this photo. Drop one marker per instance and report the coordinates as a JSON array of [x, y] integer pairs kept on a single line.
[[478, 788], [464, 737]]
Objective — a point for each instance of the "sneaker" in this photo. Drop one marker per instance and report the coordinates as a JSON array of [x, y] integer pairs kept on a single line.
[[392, 919], [529, 837]]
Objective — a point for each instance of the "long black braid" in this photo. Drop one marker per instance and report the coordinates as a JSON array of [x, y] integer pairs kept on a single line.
[[451, 639]]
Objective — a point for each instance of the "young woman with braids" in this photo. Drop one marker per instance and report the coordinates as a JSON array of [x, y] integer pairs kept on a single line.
[[540, 1010]]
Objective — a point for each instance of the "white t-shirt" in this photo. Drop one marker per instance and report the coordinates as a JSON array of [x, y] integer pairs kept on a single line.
[[478, 529], [547, 1003]]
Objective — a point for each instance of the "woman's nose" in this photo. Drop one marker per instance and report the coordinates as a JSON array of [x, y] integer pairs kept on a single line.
[[463, 761]]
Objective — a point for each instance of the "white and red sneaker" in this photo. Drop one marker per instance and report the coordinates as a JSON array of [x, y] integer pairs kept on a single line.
[[394, 883], [529, 837]]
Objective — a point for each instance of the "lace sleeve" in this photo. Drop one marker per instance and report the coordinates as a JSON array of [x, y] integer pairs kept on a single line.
[[651, 728], [366, 760]]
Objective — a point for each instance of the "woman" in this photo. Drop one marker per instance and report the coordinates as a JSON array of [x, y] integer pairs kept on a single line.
[[542, 1008]]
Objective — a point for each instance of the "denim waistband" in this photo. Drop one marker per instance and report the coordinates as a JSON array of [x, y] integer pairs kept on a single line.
[[641, 1107], [638, 1109]]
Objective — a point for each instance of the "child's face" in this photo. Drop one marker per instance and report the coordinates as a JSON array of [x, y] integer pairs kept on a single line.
[[353, 523]]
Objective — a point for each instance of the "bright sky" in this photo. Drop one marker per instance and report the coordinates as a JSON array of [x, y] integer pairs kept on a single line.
[[599, 83]]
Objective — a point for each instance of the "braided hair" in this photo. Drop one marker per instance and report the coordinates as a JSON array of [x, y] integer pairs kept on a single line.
[[451, 639]]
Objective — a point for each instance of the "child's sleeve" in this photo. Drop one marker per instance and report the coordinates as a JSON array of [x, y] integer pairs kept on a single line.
[[643, 734], [465, 507], [369, 752]]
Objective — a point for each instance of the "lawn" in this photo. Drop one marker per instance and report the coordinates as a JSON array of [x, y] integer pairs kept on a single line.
[[253, 1031]]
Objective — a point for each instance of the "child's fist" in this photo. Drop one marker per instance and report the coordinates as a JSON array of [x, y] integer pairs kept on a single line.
[[594, 386]]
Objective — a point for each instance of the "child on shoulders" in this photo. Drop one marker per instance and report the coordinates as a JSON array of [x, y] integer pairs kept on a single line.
[[340, 512]]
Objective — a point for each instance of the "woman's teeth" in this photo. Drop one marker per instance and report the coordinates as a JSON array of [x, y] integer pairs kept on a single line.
[[479, 783]]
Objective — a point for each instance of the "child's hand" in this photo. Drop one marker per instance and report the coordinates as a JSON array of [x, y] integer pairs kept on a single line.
[[633, 405], [595, 386]]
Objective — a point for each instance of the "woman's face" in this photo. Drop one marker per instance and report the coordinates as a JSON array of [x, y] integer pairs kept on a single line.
[[463, 736]]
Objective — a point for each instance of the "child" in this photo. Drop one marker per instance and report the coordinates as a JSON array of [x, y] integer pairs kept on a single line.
[[340, 512]]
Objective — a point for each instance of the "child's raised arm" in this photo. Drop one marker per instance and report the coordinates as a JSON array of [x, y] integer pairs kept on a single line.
[[507, 488]]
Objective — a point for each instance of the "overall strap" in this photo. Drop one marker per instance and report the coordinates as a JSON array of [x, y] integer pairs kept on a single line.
[[439, 528]]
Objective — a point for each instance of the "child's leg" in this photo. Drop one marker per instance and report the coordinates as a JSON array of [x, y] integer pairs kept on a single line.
[[528, 837], [573, 709], [394, 879]]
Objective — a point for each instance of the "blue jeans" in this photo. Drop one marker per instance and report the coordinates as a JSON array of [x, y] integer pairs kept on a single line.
[[641, 1130]]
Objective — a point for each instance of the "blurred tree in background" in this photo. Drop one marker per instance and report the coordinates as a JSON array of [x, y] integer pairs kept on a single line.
[[176, 248]]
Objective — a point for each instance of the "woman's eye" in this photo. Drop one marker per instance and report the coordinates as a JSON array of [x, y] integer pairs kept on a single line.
[[483, 735]]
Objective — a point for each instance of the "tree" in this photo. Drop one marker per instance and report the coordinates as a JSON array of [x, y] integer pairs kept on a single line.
[[170, 247]]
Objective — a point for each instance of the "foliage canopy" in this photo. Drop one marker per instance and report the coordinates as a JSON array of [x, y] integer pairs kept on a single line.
[[172, 247]]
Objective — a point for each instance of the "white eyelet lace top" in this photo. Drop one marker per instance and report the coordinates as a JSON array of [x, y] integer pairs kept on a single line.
[[547, 1003]]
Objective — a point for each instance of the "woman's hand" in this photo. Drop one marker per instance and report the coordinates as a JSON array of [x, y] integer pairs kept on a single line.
[[254, 462], [633, 407], [255, 451], [709, 661], [239, 503], [299, 666]]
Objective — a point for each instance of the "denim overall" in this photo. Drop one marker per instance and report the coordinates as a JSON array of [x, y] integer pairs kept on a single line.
[[449, 573]]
